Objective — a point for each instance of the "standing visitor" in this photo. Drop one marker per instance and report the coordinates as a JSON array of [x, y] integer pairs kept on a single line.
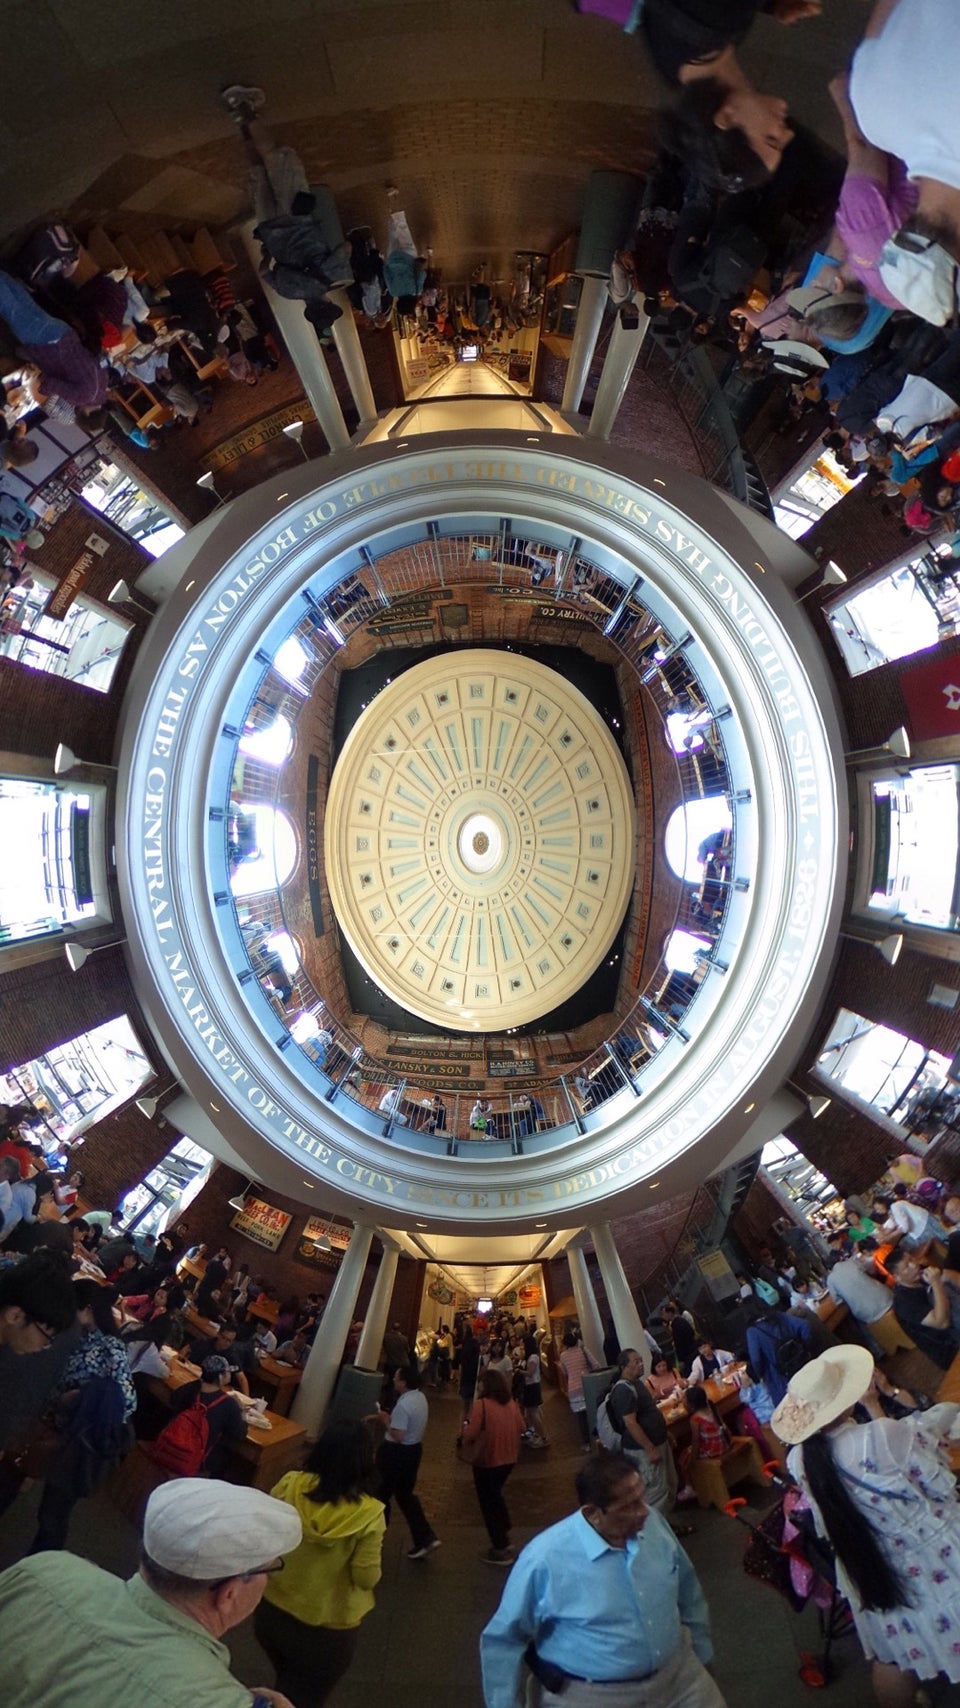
[[533, 1394], [398, 1460], [310, 1614], [497, 1423], [884, 1497], [573, 1365]]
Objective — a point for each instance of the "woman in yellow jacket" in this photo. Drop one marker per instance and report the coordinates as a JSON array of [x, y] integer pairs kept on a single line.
[[308, 1619]]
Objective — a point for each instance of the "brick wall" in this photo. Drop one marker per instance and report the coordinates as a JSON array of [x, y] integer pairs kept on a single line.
[[208, 1219]]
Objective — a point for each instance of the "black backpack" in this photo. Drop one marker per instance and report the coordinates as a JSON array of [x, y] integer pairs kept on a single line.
[[731, 262]]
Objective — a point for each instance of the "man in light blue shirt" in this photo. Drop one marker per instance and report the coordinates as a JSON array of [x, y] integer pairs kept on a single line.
[[604, 1607]]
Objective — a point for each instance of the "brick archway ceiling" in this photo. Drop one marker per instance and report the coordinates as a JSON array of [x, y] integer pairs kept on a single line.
[[489, 118], [478, 179]]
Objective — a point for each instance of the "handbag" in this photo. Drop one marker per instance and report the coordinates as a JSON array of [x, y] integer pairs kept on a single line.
[[471, 1452]]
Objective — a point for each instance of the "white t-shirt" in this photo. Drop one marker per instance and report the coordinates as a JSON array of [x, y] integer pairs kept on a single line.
[[903, 88], [908, 1218], [410, 1414], [917, 404]]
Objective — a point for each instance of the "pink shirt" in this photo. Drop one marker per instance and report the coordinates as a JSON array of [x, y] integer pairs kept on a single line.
[[869, 213]]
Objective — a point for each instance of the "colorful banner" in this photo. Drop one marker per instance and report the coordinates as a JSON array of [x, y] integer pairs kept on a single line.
[[932, 693], [530, 1297], [261, 1223], [317, 1227]]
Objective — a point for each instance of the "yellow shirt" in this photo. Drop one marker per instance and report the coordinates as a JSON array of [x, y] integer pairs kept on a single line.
[[330, 1578]]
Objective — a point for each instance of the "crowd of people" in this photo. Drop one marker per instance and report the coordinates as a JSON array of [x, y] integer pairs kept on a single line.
[[838, 276]]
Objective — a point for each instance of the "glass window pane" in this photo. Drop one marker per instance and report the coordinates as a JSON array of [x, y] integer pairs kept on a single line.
[[81, 1081], [41, 890], [916, 844], [84, 647]]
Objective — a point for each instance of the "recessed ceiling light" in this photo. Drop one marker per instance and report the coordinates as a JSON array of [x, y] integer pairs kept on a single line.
[[310, 1183], [652, 1184], [749, 1107], [539, 1224], [215, 1107]]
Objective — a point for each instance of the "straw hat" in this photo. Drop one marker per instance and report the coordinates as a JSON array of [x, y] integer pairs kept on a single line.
[[822, 1391]]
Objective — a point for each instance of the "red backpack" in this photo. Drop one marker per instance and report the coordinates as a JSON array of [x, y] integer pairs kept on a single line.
[[181, 1447]]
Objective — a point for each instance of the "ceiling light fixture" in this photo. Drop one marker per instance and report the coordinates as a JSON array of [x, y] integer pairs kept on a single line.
[[294, 430], [77, 954], [206, 482], [239, 1202]]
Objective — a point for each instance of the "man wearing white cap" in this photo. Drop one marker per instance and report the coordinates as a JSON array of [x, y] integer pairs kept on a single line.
[[74, 1633]]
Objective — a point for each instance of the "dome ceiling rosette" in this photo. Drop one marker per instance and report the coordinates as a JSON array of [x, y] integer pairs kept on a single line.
[[480, 839]]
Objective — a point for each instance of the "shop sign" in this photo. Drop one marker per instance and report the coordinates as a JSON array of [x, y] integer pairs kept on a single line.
[[530, 1297], [317, 1227], [262, 1223]]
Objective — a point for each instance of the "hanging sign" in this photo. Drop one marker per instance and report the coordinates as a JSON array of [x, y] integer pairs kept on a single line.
[[530, 1297], [262, 1223], [317, 1227]]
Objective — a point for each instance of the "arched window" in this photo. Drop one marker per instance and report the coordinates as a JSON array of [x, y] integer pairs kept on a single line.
[[271, 744], [687, 829], [291, 660], [265, 857]]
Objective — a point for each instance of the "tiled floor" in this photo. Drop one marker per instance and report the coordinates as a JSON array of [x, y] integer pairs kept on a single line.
[[419, 1646]]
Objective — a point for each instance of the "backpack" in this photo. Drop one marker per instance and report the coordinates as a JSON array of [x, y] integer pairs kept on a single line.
[[181, 1447], [730, 263], [608, 1434], [790, 1352]]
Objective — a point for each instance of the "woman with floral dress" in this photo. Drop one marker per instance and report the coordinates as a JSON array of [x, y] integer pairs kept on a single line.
[[93, 1404], [883, 1496]]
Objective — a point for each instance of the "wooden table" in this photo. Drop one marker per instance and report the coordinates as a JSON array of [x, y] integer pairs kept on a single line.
[[724, 1395], [268, 1452], [203, 1325], [265, 1310], [280, 1380]]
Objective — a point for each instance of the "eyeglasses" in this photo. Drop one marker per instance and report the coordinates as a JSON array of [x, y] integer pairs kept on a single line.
[[49, 1334], [258, 1572]]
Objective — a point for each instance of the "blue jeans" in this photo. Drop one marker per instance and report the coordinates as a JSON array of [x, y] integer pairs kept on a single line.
[[29, 323]]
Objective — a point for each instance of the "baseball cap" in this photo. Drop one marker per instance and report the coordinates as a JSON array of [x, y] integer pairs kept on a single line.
[[921, 275], [215, 1366], [200, 1528]]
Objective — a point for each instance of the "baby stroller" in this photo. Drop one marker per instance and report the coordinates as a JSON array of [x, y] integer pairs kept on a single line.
[[785, 1552]]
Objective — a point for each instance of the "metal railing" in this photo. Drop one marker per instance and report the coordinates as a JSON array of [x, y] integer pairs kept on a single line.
[[660, 1012]]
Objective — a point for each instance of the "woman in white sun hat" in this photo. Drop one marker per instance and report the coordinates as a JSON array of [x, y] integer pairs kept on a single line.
[[883, 1496]]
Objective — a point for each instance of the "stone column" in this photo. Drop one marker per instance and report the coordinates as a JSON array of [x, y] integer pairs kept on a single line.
[[305, 353], [322, 1367], [375, 1322], [620, 361], [591, 1327], [626, 1317], [350, 350], [593, 299]]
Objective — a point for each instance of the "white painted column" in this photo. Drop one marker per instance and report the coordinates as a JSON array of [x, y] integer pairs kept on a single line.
[[593, 299], [588, 1311], [619, 363], [626, 1317], [322, 1367], [305, 353], [375, 1321], [350, 350]]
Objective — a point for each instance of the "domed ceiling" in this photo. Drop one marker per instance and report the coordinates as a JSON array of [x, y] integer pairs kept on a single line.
[[480, 839]]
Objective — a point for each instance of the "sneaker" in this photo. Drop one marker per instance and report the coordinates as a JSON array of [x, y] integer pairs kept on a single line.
[[427, 1548], [498, 1557]]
